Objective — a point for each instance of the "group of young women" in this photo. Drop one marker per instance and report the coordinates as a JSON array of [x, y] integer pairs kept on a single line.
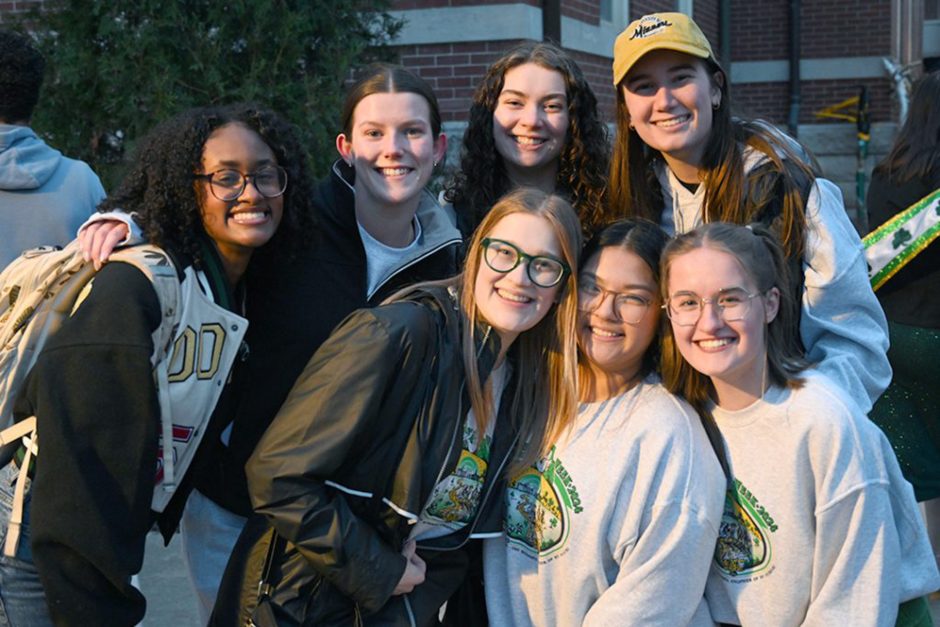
[[618, 469]]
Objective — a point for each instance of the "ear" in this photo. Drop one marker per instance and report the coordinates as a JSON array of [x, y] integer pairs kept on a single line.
[[717, 82], [344, 148], [771, 304], [440, 148]]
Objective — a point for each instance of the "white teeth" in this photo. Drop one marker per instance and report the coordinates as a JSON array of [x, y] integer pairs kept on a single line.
[[715, 343], [529, 141], [602, 333], [673, 121], [516, 298], [393, 171], [248, 216]]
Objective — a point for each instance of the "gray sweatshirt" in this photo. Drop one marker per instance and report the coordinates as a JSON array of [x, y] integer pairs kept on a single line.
[[842, 324], [821, 527], [44, 197], [617, 525]]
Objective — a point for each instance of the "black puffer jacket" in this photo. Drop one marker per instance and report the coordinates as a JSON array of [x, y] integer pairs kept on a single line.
[[371, 426]]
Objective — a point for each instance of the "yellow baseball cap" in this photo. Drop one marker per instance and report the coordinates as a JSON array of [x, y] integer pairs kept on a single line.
[[658, 31]]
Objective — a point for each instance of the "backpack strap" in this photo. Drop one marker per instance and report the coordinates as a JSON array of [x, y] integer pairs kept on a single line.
[[157, 266], [24, 430]]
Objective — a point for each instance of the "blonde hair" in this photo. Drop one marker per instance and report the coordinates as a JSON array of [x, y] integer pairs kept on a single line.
[[545, 398]]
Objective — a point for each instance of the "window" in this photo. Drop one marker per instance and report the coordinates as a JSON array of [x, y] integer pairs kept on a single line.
[[616, 12]]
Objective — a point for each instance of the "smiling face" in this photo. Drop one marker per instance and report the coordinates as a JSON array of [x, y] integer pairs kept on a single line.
[[510, 302], [731, 353], [670, 97], [392, 147], [613, 349], [238, 226], [530, 124]]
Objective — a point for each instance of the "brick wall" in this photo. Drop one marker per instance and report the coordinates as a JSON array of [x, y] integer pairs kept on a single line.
[[639, 8], [828, 28], [771, 101], [454, 70], [759, 30], [705, 14], [9, 8], [588, 12], [599, 74], [845, 28]]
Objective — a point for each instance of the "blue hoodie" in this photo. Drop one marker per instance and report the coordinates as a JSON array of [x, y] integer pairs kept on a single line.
[[44, 197]]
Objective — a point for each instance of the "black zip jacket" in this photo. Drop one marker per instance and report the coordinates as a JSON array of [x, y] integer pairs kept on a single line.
[[373, 424], [294, 312]]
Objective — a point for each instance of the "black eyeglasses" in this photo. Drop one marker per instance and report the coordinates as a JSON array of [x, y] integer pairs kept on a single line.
[[228, 184], [542, 270]]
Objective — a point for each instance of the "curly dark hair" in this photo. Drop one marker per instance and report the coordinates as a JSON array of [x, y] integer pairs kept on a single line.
[[21, 73], [583, 163], [160, 190]]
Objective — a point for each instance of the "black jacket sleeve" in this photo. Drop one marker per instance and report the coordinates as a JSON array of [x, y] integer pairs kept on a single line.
[[93, 394], [332, 415]]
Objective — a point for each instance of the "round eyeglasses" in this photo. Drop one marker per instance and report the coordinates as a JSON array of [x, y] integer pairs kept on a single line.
[[228, 184], [628, 308], [685, 308], [542, 270]]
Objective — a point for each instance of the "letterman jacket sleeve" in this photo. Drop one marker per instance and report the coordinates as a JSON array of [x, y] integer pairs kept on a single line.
[[334, 416], [842, 324], [93, 393]]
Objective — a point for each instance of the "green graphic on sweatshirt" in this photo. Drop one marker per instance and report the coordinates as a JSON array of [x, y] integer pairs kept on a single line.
[[744, 537], [454, 501], [540, 504]]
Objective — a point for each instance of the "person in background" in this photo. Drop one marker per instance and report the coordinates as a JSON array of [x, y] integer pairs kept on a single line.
[[680, 159], [533, 122], [820, 526], [909, 411], [616, 525], [44, 196]]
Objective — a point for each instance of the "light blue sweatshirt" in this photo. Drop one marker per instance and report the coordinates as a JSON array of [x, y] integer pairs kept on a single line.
[[44, 196]]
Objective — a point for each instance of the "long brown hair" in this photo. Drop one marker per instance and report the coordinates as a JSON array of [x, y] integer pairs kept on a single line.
[[583, 162], [771, 193], [916, 151], [761, 257], [545, 399]]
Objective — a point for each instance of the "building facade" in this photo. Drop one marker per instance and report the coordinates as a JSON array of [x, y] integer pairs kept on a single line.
[[841, 46]]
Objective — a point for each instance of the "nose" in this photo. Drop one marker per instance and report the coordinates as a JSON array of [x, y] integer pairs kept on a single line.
[[664, 97], [394, 144], [710, 317], [250, 193], [605, 306], [520, 274], [531, 115]]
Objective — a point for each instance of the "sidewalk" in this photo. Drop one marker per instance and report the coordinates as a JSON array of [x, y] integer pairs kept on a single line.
[[170, 599]]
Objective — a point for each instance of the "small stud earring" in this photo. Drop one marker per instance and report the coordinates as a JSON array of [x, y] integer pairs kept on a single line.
[[435, 164]]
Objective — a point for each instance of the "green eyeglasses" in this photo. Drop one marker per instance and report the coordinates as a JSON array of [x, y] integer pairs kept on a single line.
[[502, 256]]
